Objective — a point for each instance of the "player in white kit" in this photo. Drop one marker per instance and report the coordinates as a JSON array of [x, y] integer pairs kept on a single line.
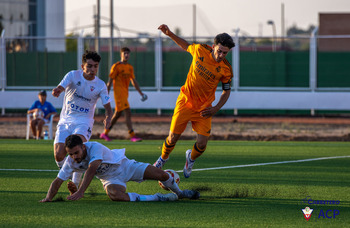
[[82, 90], [114, 170]]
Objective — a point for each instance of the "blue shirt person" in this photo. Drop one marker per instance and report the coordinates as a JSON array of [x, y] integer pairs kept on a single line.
[[42, 111]]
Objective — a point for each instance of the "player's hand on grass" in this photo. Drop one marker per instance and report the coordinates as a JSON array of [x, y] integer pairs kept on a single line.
[[75, 196], [45, 200]]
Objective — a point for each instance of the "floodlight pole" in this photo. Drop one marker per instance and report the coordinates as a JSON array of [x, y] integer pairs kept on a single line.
[[3, 65], [271, 22], [235, 61], [194, 22], [111, 39], [97, 26]]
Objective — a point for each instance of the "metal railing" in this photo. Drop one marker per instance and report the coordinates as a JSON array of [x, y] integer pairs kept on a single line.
[[165, 57]]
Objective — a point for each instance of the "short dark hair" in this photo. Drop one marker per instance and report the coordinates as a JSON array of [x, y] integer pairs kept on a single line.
[[225, 40], [42, 92], [73, 141], [124, 49], [91, 55]]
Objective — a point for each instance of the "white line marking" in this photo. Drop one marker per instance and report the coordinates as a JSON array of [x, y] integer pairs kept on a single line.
[[31, 170], [204, 169], [268, 163]]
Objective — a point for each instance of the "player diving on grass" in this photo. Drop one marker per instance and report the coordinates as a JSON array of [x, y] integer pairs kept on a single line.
[[82, 90], [114, 170], [209, 67]]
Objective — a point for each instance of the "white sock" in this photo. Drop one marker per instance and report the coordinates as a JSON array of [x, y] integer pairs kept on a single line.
[[60, 163], [137, 197], [76, 178], [172, 185]]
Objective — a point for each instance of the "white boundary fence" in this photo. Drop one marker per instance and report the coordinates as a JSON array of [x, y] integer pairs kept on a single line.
[[258, 98]]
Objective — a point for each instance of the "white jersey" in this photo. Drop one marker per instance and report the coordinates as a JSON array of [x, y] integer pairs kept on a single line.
[[80, 98], [95, 151]]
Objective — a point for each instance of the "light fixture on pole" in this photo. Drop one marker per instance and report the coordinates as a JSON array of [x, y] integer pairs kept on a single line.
[[271, 22]]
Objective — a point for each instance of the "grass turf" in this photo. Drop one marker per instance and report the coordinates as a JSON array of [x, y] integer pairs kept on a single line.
[[256, 196]]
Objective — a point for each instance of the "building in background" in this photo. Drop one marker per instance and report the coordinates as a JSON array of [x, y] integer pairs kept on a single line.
[[43, 19], [334, 24]]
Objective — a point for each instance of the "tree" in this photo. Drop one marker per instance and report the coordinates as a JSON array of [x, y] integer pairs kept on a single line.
[[71, 44], [177, 31], [294, 30]]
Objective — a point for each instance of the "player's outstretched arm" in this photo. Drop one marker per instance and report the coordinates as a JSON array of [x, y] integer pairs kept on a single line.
[[109, 114], [137, 87], [109, 84], [178, 40], [89, 175], [57, 91], [55, 185], [211, 111]]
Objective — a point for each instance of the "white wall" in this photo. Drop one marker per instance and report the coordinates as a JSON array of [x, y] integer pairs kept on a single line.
[[278, 100]]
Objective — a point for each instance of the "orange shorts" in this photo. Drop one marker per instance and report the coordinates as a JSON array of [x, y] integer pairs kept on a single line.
[[182, 115], [121, 104]]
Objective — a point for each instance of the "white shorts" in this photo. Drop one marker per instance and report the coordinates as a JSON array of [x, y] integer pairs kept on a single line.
[[65, 130], [128, 170]]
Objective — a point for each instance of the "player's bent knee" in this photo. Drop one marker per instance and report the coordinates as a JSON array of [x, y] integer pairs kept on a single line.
[[164, 176], [114, 197], [117, 195], [60, 152], [172, 138], [201, 146]]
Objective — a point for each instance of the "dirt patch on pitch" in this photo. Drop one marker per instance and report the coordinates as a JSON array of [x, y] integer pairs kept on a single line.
[[223, 128]]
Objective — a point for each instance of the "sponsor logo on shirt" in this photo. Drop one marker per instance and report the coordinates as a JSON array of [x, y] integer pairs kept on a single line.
[[77, 108], [103, 168], [81, 97], [204, 72], [78, 83], [92, 88]]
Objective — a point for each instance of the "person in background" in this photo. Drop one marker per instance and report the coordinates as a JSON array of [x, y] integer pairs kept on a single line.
[[122, 73], [42, 111]]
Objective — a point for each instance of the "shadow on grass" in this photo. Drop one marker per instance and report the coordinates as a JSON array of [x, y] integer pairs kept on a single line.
[[239, 192]]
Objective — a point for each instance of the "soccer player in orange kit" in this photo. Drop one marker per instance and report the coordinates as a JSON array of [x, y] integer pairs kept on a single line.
[[209, 66], [122, 73]]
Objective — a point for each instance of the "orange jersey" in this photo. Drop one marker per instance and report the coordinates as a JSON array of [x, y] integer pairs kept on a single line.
[[203, 77], [121, 73]]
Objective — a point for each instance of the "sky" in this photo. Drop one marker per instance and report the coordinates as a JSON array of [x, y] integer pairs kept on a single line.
[[212, 17]]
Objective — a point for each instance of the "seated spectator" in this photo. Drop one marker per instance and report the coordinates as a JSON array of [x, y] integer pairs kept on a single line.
[[42, 111]]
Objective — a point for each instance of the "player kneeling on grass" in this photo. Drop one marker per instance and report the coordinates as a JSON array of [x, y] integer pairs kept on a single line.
[[114, 170]]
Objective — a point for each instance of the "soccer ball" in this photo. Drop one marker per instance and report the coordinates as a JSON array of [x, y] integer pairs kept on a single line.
[[38, 114], [174, 175]]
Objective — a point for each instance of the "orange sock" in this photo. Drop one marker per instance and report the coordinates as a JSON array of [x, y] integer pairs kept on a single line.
[[106, 131], [166, 149], [131, 133], [196, 152]]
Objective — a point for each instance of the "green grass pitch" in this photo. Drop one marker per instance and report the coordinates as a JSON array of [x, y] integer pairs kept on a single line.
[[269, 195]]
